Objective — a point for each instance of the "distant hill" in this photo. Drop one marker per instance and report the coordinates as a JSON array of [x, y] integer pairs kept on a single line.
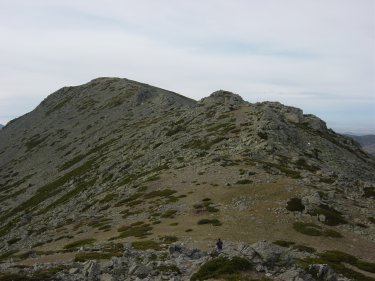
[[1, 126], [367, 142], [114, 163]]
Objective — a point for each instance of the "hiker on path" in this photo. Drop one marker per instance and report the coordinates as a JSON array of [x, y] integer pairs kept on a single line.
[[219, 244]]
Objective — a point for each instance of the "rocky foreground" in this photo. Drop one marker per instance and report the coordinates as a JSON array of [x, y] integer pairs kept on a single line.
[[260, 261]]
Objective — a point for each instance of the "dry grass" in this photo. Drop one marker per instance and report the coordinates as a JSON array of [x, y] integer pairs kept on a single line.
[[250, 206]]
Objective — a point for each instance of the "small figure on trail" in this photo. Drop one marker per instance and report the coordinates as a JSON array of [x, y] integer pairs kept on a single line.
[[219, 244]]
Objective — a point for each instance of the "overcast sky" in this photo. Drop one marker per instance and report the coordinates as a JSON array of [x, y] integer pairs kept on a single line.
[[318, 55]]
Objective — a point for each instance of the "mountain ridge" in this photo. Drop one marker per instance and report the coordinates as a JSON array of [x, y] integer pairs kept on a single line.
[[111, 153]]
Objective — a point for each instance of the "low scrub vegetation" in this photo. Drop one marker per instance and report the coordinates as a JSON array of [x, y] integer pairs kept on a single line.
[[282, 168], [219, 267], [146, 244], [168, 239], [214, 222], [79, 243], [312, 229], [245, 181], [50, 190], [169, 214], [284, 243], [332, 216], [295, 205], [7, 254], [203, 144], [288, 244], [159, 193], [168, 268], [205, 206], [369, 192], [139, 229], [338, 260], [303, 248]]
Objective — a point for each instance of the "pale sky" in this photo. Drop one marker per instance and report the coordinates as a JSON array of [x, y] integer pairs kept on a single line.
[[318, 55]]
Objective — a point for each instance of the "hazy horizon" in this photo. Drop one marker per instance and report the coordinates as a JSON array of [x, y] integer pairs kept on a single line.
[[316, 55]]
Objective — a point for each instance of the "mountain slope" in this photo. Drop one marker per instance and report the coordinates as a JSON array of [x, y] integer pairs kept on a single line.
[[367, 142], [113, 152]]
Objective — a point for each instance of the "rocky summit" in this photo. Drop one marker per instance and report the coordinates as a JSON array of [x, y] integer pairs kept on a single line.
[[120, 180]]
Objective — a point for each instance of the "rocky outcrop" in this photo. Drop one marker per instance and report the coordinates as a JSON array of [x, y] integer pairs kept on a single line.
[[180, 263]]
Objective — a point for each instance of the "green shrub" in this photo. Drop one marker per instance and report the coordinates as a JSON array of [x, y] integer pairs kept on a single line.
[[168, 268], [262, 135], [134, 203], [169, 239], [332, 233], [34, 141], [13, 240], [371, 219], [295, 205], [333, 217], [206, 206], [203, 144], [67, 196], [136, 231], [337, 260], [369, 192], [7, 254], [72, 162], [245, 181], [212, 209], [159, 193], [303, 165], [366, 266], [214, 222], [49, 190], [137, 223], [169, 214], [361, 225], [341, 257], [303, 248], [282, 168], [153, 178], [175, 130], [79, 243], [338, 256], [221, 266], [109, 197], [284, 243], [38, 244], [64, 237], [310, 229], [146, 244]]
